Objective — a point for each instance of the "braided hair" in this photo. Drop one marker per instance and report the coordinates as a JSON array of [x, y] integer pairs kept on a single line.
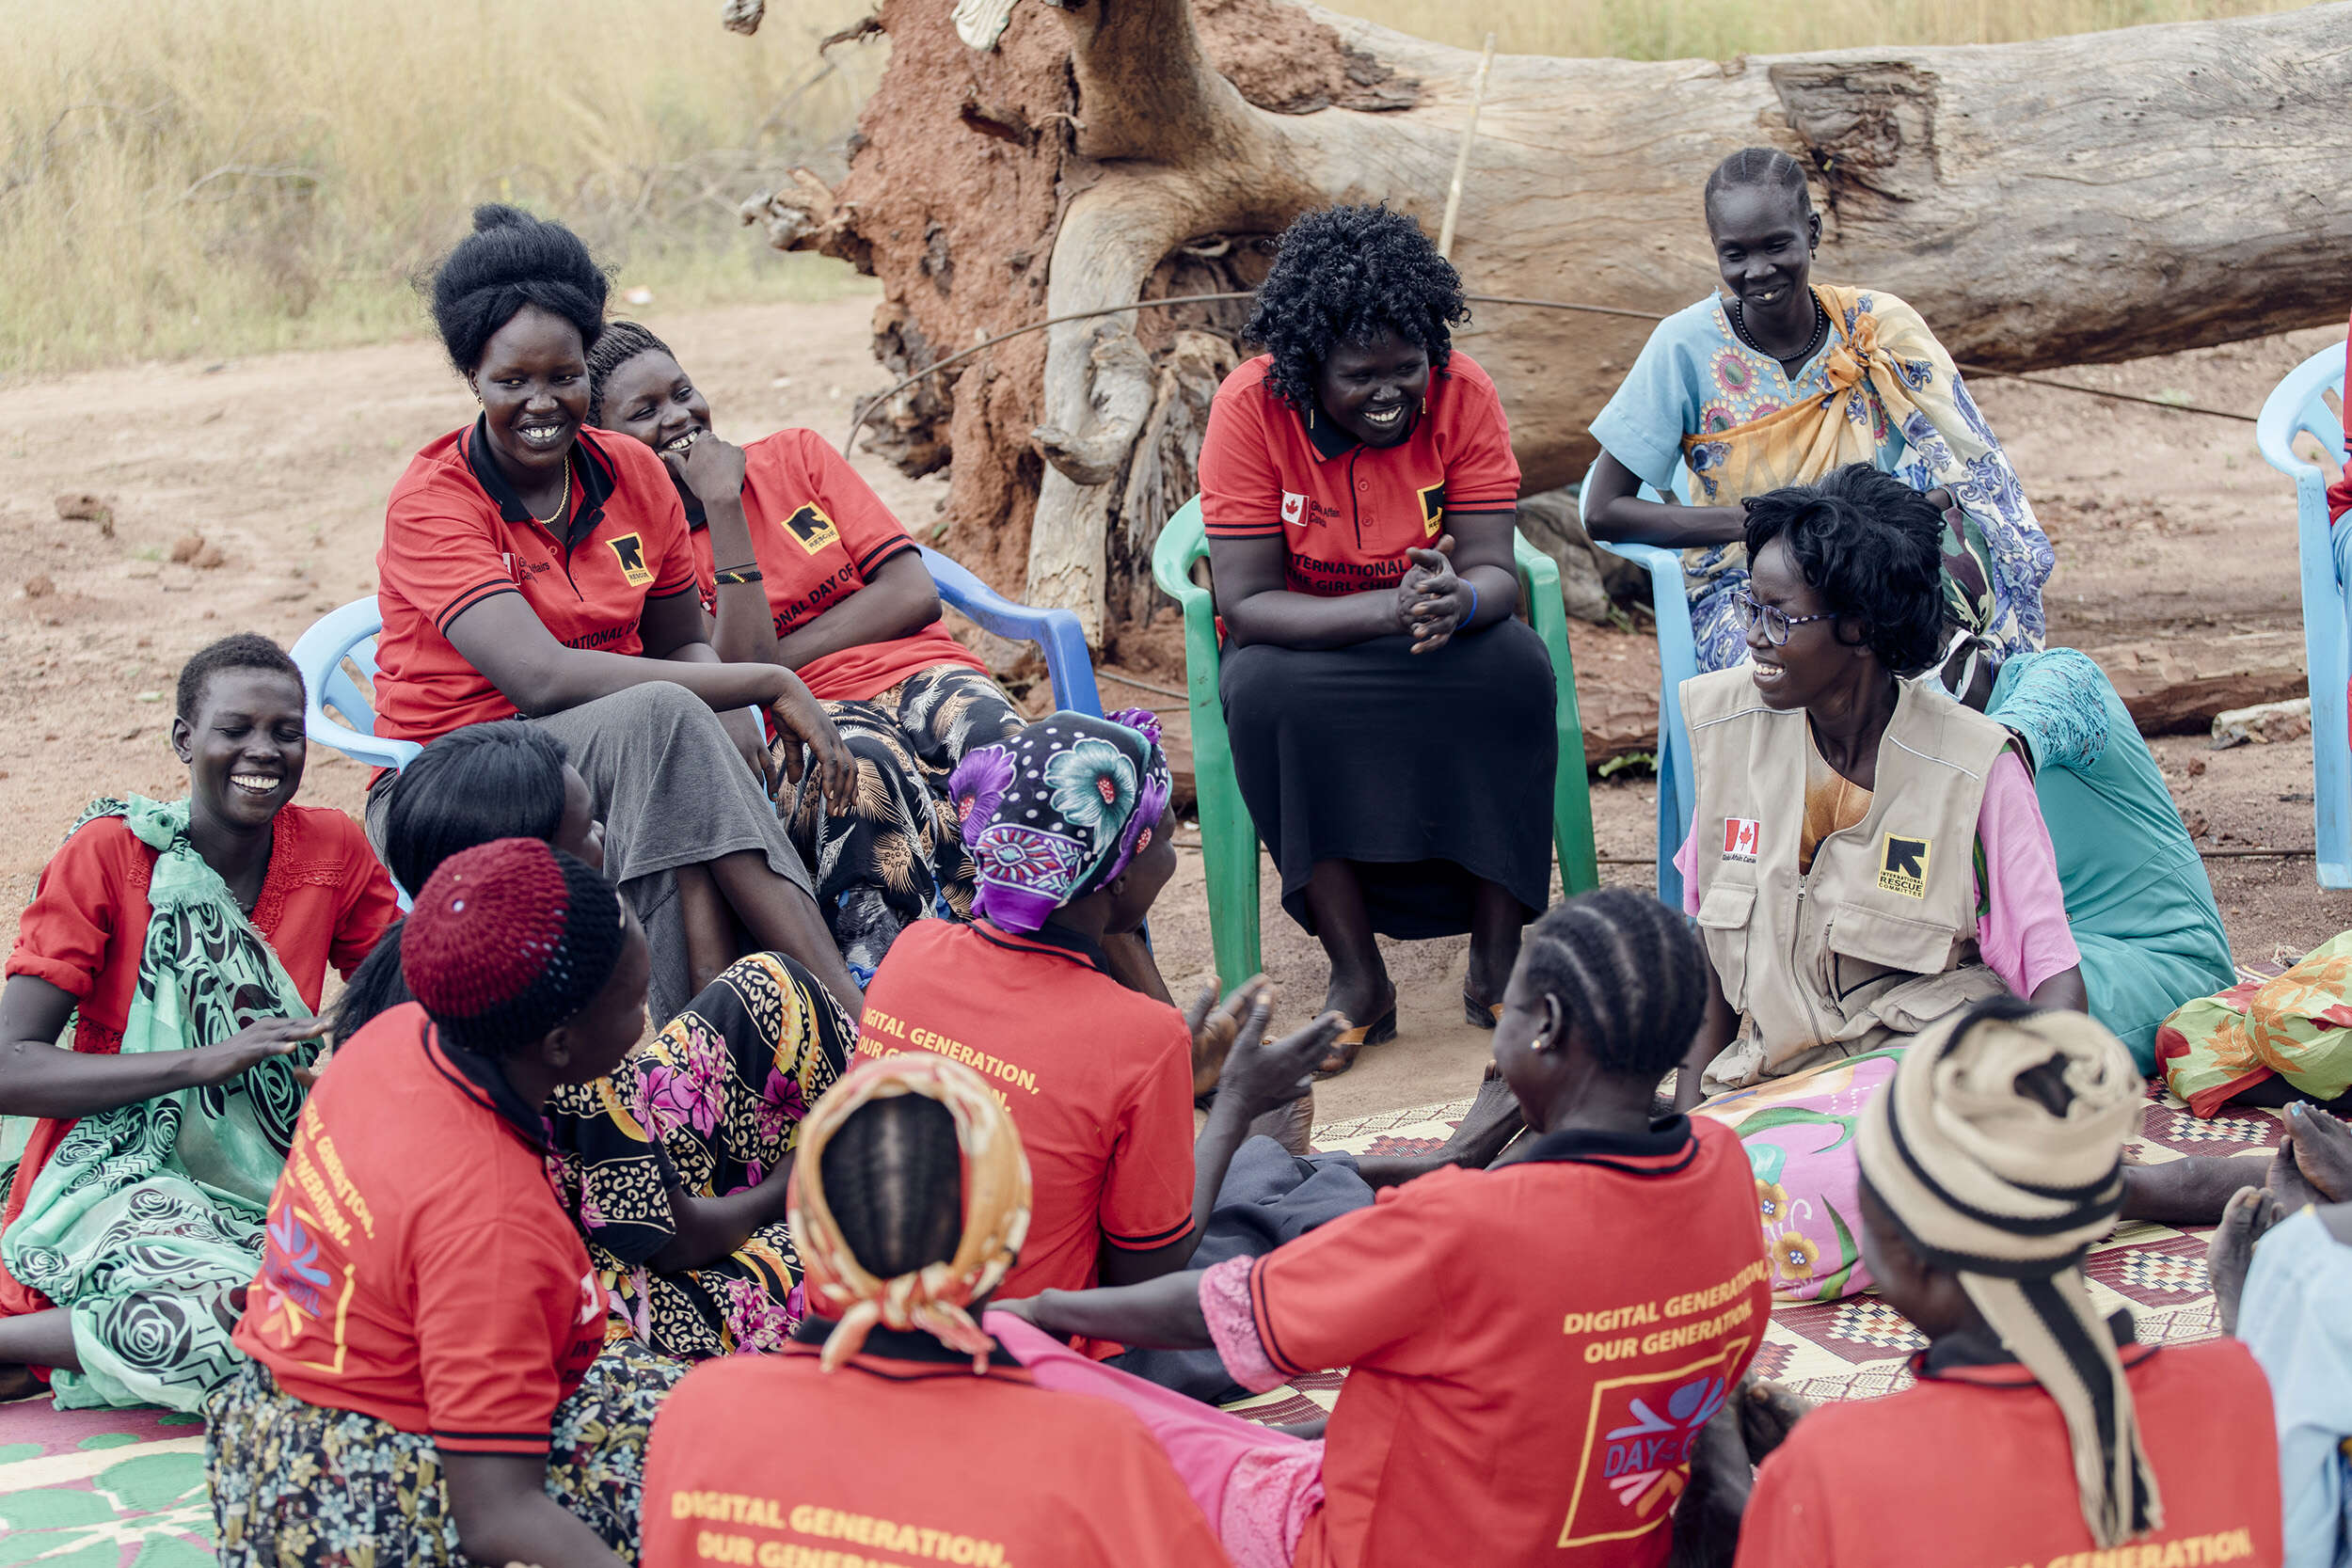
[[1871, 546], [1761, 168], [512, 259], [245, 650], [894, 1179], [1628, 973], [621, 341], [1348, 275]]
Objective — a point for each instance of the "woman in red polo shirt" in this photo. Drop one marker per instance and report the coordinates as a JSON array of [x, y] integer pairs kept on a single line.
[[1530, 1369], [1068, 826], [429, 1382], [529, 567], [186, 943], [911, 1435], [850, 608], [1391, 722]]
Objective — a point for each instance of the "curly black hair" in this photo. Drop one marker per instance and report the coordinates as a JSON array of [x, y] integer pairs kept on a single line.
[[512, 259], [622, 341], [1870, 545], [1628, 972], [1347, 275], [245, 650]]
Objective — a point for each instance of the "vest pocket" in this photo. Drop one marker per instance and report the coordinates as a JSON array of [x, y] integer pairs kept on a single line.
[[1886, 941], [1723, 916]]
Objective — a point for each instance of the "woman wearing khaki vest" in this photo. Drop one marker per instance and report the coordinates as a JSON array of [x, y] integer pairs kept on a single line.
[[1866, 857]]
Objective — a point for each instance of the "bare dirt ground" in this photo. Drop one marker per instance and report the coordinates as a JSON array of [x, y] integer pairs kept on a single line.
[[2167, 525]]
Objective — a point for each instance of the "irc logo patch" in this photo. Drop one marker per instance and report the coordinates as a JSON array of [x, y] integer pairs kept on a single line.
[[1637, 1448], [630, 551], [1433, 510], [812, 528], [1903, 865]]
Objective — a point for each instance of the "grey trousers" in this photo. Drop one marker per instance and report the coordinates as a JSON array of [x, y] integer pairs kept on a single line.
[[672, 791]]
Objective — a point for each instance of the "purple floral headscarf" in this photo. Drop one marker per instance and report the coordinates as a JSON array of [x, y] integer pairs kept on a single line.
[[1058, 811]]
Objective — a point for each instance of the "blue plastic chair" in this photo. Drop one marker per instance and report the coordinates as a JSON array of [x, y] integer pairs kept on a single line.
[[2297, 407], [338, 712], [1056, 631], [1677, 662], [337, 709]]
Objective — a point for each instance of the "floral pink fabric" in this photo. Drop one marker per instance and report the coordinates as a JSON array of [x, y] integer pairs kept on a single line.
[[1233, 1328]]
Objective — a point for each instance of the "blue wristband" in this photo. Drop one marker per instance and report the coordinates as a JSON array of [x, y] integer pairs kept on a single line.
[[1473, 609]]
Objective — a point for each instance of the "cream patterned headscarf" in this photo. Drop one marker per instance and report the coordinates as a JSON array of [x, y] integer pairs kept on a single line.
[[995, 1213], [1995, 1185]]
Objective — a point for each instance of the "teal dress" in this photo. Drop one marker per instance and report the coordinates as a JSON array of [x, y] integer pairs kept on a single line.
[[2137, 894]]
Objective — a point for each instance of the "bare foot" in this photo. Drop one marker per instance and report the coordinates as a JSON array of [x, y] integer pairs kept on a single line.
[[2323, 1151], [2285, 1179], [1767, 1414], [2231, 1252], [17, 1382], [1493, 1122], [2192, 1191]]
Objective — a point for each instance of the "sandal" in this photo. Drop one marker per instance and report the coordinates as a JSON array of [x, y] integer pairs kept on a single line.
[[1381, 1031], [1482, 1015]]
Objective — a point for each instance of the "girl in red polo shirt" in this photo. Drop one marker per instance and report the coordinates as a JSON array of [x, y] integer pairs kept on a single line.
[[529, 567], [851, 609], [1391, 722], [185, 942], [429, 1382], [1530, 1369], [674, 1167], [911, 1435], [1069, 826]]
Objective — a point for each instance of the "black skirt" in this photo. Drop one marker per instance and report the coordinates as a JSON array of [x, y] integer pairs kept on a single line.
[[1428, 771]]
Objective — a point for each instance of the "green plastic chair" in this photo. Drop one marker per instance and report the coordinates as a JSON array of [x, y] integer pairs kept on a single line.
[[1228, 839]]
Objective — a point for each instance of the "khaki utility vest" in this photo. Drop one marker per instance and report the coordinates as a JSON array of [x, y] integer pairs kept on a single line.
[[1880, 938]]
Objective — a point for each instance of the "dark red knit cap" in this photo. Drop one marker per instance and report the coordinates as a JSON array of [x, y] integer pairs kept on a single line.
[[507, 940]]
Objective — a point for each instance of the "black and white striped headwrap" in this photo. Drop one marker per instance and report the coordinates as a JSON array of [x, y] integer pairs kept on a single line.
[[1999, 1147]]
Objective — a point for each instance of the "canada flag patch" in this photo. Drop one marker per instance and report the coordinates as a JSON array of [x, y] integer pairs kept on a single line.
[[1740, 835], [1294, 509]]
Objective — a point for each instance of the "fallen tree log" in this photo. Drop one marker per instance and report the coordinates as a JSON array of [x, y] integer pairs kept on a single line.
[[2075, 200]]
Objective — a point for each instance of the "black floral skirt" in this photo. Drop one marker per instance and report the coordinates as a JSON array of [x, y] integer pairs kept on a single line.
[[300, 1485]]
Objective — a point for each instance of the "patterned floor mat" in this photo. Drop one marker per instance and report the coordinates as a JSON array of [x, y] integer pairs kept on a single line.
[[102, 1488]]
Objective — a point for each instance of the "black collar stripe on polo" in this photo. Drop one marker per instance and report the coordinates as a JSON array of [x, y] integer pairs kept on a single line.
[[589, 467], [1669, 1146]]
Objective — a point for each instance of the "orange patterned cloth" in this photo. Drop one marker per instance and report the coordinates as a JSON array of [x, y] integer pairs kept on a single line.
[[2297, 1025], [995, 1213]]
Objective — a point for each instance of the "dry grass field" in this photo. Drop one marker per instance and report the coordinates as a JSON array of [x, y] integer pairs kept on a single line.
[[183, 178]]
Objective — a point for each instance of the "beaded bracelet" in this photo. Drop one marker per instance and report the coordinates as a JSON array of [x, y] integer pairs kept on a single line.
[[747, 573]]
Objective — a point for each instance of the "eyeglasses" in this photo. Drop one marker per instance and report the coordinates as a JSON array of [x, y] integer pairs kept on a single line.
[[1776, 622]]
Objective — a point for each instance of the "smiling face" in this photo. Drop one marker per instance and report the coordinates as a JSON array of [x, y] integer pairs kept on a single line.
[[1374, 389], [244, 746], [1764, 241], [534, 386], [649, 397], [1813, 659]]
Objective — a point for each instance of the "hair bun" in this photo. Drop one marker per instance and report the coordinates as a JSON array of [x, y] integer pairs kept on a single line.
[[498, 215]]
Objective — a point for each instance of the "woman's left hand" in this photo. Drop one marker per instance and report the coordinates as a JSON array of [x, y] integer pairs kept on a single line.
[[1439, 602], [801, 716]]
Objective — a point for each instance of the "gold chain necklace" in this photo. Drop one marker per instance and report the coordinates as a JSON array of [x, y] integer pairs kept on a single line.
[[561, 506]]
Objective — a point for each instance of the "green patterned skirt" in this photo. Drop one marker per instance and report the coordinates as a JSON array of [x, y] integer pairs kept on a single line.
[[300, 1485]]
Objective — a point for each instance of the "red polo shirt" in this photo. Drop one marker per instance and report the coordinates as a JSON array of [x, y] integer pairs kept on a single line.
[[905, 1457], [819, 533], [324, 899], [455, 533], [2340, 492], [1346, 512], [1969, 1467], [1098, 1078], [1531, 1367], [417, 1267]]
